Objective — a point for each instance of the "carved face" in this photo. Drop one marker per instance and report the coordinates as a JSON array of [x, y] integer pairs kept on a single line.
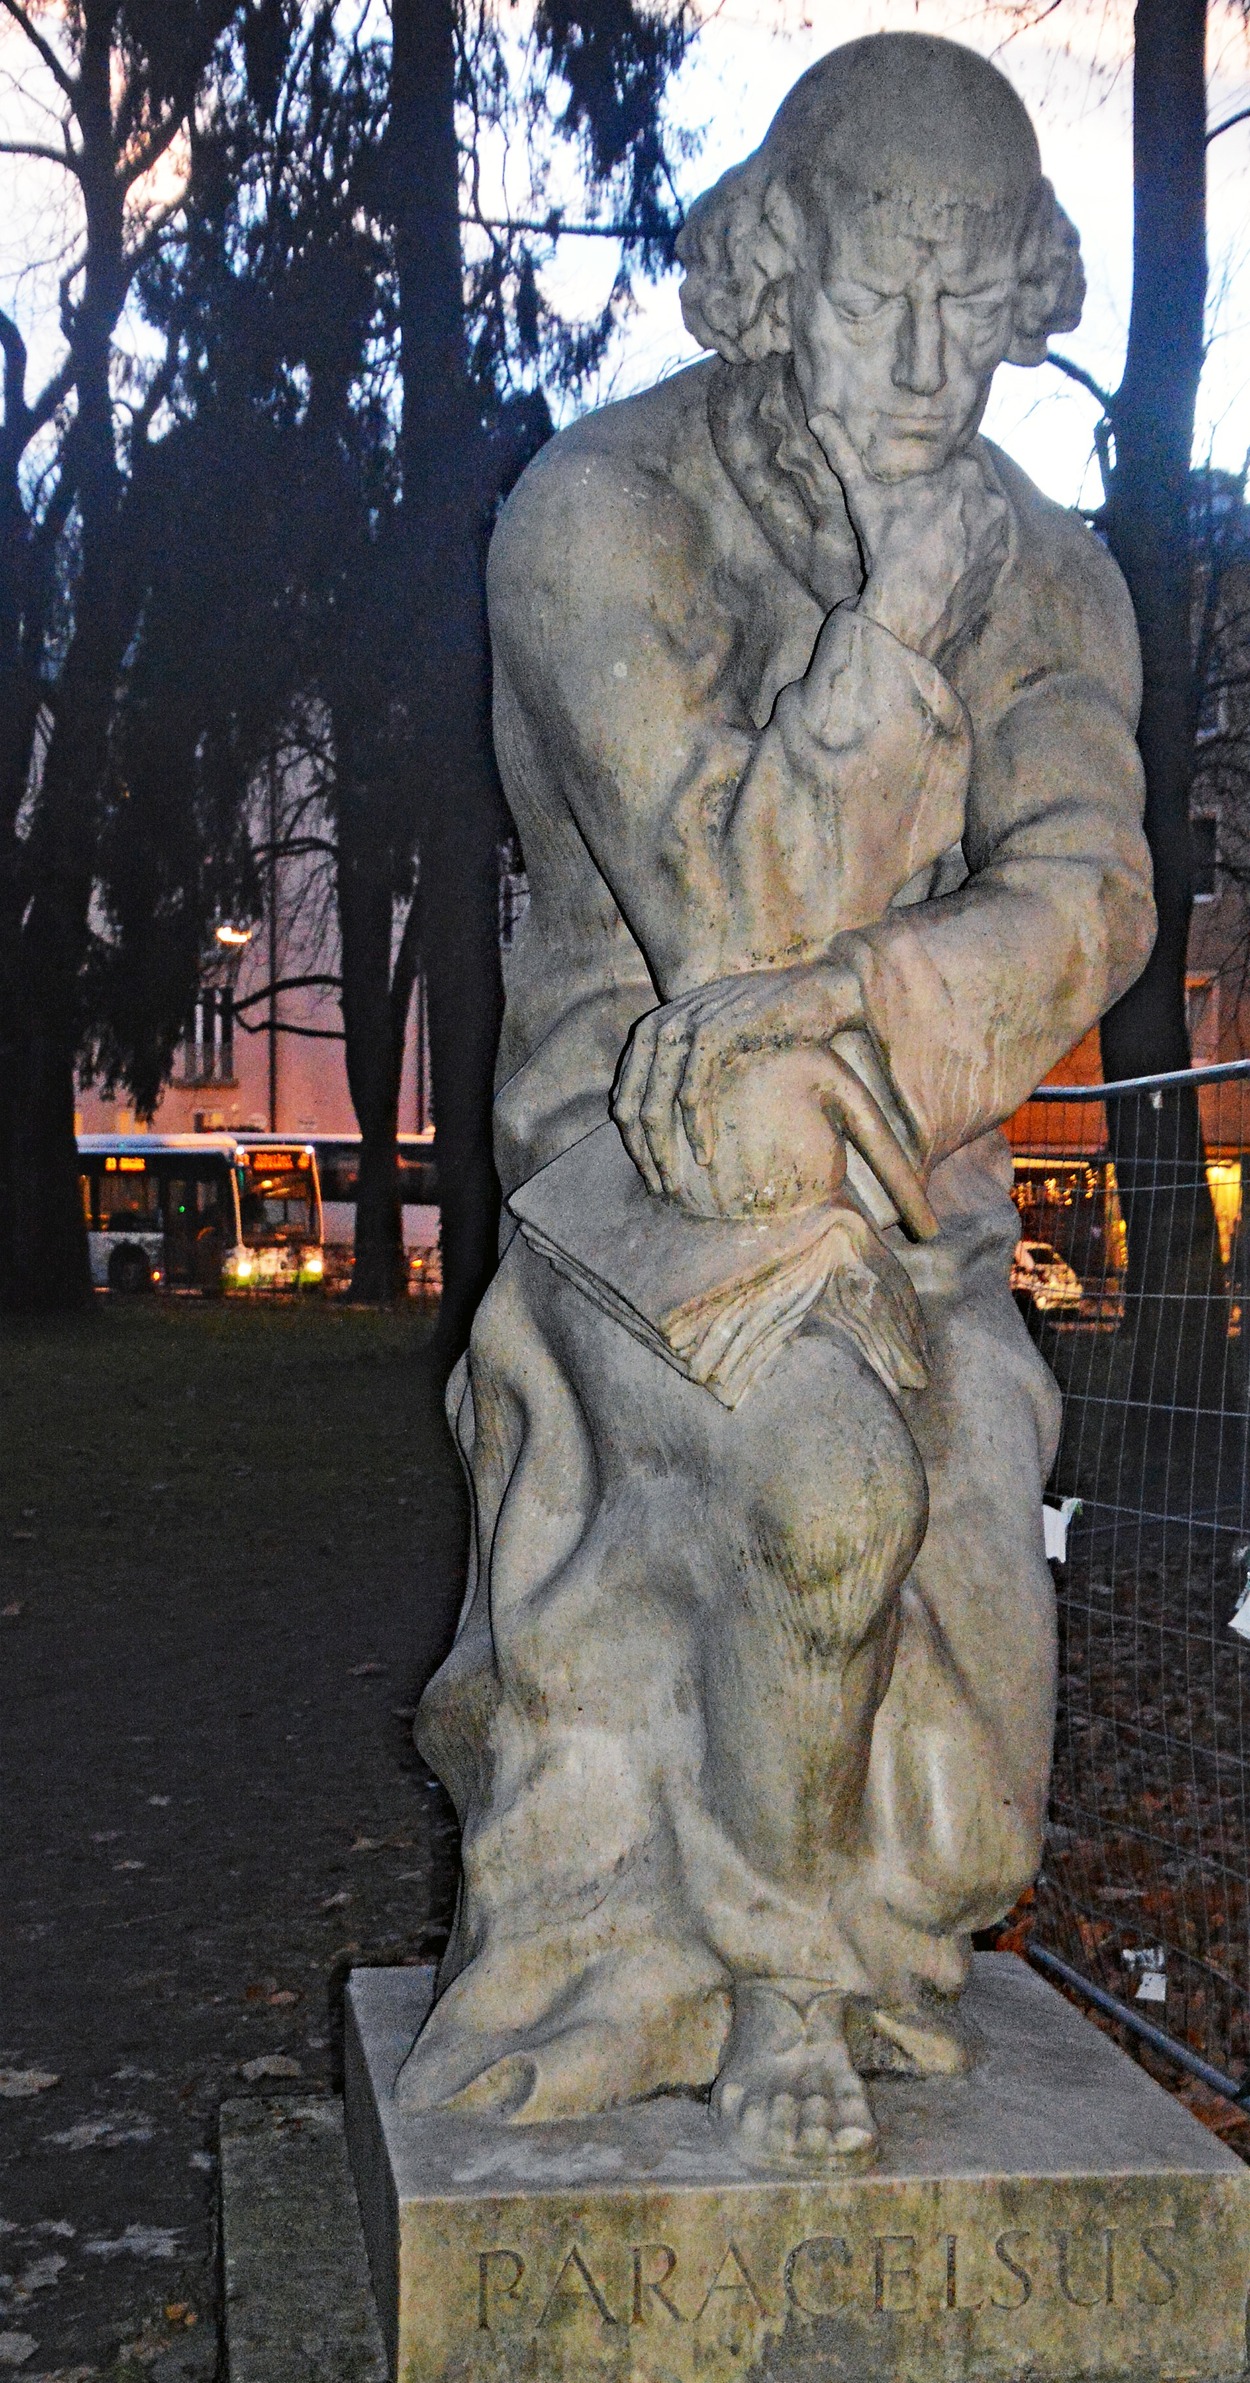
[[898, 335]]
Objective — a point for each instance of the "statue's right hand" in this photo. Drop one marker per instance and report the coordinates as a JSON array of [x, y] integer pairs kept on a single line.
[[940, 549], [676, 1067], [933, 544]]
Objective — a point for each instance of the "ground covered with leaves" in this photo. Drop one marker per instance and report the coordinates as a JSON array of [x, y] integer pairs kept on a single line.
[[1148, 1866], [231, 1541]]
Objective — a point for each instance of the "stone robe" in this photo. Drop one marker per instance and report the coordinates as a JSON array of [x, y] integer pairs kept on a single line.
[[769, 1692]]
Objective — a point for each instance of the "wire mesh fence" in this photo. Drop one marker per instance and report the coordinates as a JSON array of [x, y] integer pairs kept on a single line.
[[1133, 1272]]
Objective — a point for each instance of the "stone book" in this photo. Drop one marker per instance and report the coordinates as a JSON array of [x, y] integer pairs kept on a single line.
[[716, 1297]]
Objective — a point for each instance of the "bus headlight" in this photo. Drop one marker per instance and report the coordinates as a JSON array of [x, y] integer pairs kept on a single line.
[[312, 1265], [238, 1266]]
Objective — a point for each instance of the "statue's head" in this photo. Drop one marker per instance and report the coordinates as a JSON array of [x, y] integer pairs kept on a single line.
[[894, 235]]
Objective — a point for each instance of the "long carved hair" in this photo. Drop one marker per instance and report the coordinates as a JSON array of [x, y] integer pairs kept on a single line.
[[903, 121]]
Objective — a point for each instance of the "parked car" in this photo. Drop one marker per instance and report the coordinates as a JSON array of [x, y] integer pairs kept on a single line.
[[1043, 1281]]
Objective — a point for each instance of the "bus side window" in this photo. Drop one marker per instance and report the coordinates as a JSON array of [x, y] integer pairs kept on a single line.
[[214, 1179], [130, 1201]]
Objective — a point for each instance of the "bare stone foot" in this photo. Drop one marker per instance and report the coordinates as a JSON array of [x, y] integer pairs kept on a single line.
[[788, 2095]]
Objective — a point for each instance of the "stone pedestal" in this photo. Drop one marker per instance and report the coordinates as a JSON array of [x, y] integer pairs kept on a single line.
[[1053, 2215]]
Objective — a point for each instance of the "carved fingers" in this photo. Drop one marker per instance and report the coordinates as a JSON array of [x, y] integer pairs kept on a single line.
[[934, 546], [665, 1099]]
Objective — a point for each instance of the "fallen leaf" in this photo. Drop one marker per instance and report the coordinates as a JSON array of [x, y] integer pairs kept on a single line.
[[130, 1865], [16, 2348], [367, 1845], [283, 1999], [360, 1671], [176, 2312], [335, 1902], [138, 2242], [41, 2274], [9, 1613], [17, 2084], [104, 2134], [270, 2064]]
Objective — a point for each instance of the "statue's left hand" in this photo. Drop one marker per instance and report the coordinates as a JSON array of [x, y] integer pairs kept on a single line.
[[665, 1096]]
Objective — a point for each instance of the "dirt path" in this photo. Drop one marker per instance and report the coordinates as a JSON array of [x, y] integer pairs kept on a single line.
[[230, 1549]]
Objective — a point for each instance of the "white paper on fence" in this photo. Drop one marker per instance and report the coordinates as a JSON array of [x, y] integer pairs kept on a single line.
[[1055, 1522], [1150, 1962], [1239, 1618]]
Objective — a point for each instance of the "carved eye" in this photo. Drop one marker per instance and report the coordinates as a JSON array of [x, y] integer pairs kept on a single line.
[[856, 303], [980, 305]]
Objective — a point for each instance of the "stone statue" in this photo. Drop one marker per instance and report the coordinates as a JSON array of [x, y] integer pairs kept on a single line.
[[816, 720]]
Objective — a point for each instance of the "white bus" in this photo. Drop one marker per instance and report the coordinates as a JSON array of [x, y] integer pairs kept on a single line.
[[200, 1212]]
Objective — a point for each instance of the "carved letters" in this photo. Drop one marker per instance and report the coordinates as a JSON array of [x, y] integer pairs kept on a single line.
[[880, 2275]]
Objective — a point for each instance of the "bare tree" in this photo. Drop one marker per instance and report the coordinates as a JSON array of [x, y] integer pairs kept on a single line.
[[121, 80], [1145, 447]]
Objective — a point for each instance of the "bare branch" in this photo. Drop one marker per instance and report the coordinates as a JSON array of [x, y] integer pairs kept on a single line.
[[133, 168], [312, 1034], [62, 157], [60, 73], [407, 962], [1240, 118], [295, 847], [75, 266], [1077, 372], [288, 984], [155, 225], [162, 382], [50, 396], [555, 228]]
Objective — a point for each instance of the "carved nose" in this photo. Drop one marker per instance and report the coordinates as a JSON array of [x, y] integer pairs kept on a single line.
[[919, 363]]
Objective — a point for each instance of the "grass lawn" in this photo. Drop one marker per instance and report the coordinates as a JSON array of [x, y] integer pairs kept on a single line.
[[231, 1540]]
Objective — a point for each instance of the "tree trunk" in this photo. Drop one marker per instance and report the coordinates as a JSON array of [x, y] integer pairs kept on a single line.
[[462, 812], [44, 1265], [1148, 507], [1156, 1139], [376, 998], [21, 1263]]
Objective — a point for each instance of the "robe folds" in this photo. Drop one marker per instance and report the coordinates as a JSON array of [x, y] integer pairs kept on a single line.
[[769, 1691]]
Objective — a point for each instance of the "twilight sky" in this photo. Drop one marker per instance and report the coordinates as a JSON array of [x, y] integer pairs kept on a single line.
[[1069, 60], [1070, 65]]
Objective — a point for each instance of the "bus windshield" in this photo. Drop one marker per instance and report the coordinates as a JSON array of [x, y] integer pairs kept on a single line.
[[276, 1196]]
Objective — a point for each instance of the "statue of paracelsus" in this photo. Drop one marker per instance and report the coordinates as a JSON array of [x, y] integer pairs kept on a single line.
[[816, 720]]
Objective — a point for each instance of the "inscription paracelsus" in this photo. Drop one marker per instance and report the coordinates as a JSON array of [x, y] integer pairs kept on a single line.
[[1083, 2268]]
